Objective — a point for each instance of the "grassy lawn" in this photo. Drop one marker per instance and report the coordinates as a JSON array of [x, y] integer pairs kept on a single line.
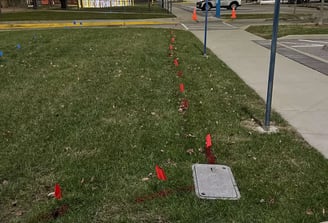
[[284, 30], [136, 12], [270, 16], [96, 112]]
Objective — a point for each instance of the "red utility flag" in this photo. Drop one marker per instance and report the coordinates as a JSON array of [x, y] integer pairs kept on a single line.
[[160, 173], [58, 194], [170, 47], [208, 141], [172, 40], [181, 88], [176, 62], [179, 73]]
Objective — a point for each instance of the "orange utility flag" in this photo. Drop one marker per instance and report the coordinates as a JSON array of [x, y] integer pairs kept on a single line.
[[208, 141], [160, 173], [58, 194], [176, 62], [181, 88]]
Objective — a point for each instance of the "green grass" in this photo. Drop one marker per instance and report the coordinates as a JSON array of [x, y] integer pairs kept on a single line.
[[282, 16], [96, 112], [138, 12], [284, 30]]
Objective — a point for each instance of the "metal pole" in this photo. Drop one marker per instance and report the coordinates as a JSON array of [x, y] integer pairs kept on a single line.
[[218, 8], [272, 64], [205, 31]]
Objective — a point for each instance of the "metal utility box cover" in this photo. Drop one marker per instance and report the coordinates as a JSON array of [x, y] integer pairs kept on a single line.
[[214, 182]]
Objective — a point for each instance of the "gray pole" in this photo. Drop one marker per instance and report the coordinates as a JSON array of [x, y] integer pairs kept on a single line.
[[205, 30], [272, 65]]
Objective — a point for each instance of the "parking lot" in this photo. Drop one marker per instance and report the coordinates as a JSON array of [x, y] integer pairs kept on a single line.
[[310, 52]]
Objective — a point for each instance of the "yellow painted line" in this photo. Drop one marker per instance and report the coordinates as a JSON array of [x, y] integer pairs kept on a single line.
[[84, 24]]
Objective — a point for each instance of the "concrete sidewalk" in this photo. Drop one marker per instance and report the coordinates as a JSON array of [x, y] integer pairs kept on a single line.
[[300, 94]]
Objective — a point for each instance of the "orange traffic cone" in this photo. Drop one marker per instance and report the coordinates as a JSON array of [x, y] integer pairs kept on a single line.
[[233, 13], [194, 15]]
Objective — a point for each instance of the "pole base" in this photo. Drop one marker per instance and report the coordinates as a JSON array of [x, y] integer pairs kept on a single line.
[[268, 130]]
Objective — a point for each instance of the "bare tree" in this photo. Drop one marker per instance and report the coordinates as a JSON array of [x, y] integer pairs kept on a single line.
[[322, 14]]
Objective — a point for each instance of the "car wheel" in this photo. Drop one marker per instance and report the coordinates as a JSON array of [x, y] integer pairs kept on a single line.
[[233, 5], [209, 6]]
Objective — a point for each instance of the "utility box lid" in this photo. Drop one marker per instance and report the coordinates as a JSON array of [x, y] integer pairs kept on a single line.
[[214, 182]]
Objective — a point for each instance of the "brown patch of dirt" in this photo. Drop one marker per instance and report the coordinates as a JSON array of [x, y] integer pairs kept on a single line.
[[54, 214]]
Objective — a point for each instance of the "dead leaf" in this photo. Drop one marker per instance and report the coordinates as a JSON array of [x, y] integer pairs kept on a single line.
[[190, 151], [5, 182], [18, 213], [145, 179], [170, 162], [92, 179], [51, 194], [82, 181], [309, 212], [14, 203], [201, 150], [190, 135]]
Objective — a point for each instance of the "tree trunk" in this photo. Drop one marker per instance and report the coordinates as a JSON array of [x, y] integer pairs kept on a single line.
[[321, 13], [35, 4], [63, 4]]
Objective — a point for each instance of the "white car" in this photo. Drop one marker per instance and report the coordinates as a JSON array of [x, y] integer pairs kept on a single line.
[[229, 4]]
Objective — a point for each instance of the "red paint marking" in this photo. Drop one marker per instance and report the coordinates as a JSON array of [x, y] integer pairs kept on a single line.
[[164, 193], [184, 104], [210, 157]]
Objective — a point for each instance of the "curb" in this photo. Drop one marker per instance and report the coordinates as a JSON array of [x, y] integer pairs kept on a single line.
[[85, 24]]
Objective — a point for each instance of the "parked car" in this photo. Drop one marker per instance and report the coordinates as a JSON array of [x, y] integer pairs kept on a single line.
[[229, 4]]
